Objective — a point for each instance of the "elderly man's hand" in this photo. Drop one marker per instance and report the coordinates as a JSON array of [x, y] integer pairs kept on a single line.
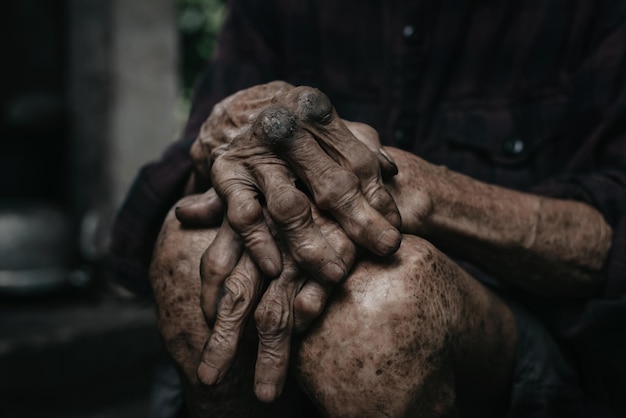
[[287, 305], [254, 156], [290, 300], [235, 114], [342, 173]]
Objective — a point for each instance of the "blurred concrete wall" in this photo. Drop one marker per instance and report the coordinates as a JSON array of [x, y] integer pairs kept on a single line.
[[144, 58], [122, 84]]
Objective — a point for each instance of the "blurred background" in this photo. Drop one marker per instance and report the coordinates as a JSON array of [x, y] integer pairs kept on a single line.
[[92, 90]]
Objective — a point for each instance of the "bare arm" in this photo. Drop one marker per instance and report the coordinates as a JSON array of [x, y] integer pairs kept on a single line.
[[549, 246]]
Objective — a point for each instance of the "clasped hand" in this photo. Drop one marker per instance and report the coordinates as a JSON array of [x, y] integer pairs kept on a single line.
[[302, 190]]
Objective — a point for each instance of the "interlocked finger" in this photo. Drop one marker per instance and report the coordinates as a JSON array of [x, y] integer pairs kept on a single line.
[[217, 263], [202, 211], [311, 299], [337, 191], [274, 320], [337, 178], [240, 293], [245, 213], [317, 116], [368, 136], [290, 210]]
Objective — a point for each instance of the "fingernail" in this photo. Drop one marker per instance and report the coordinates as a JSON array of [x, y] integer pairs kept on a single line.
[[333, 272], [389, 241], [265, 392], [208, 374]]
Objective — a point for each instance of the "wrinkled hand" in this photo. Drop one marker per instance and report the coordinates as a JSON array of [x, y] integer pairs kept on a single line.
[[288, 304], [251, 174], [342, 174], [290, 301], [228, 119]]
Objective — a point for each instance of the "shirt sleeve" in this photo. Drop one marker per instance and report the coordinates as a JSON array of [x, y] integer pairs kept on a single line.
[[594, 335], [596, 123], [245, 56]]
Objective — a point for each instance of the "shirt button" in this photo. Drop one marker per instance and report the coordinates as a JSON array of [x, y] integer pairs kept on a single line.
[[408, 31], [402, 138], [411, 35], [514, 146]]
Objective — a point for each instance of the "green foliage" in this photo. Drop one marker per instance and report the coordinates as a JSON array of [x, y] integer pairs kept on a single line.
[[198, 24]]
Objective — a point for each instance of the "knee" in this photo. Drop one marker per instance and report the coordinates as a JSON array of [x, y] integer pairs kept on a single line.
[[419, 284], [386, 335], [175, 281]]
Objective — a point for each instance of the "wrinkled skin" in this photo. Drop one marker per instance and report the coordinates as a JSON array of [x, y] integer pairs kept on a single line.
[[305, 297], [255, 149], [542, 250], [396, 337]]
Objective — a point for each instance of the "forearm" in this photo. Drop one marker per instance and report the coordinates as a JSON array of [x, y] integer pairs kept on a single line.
[[548, 246]]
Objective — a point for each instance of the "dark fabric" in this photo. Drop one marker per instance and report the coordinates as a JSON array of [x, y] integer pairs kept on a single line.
[[529, 95], [544, 383]]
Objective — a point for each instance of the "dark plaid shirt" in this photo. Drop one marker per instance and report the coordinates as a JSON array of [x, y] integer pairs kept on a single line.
[[526, 94]]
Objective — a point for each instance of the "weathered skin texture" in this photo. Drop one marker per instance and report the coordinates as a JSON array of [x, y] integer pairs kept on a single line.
[[549, 246], [228, 119], [393, 341], [344, 178]]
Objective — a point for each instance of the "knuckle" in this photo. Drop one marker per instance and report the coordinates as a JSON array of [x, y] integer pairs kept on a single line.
[[213, 267], [309, 305], [197, 153], [237, 294], [289, 206], [378, 197], [320, 259], [220, 165], [218, 112], [365, 164], [346, 249], [245, 214], [305, 248], [271, 319]]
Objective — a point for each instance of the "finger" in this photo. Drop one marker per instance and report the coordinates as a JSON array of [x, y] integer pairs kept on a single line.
[[201, 167], [388, 166], [311, 299], [335, 236], [337, 191], [368, 136], [274, 320], [216, 264], [309, 304], [240, 293], [245, 215], [373, 187], [201, 211], [290, 210], [319, 118], [334, 188]]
